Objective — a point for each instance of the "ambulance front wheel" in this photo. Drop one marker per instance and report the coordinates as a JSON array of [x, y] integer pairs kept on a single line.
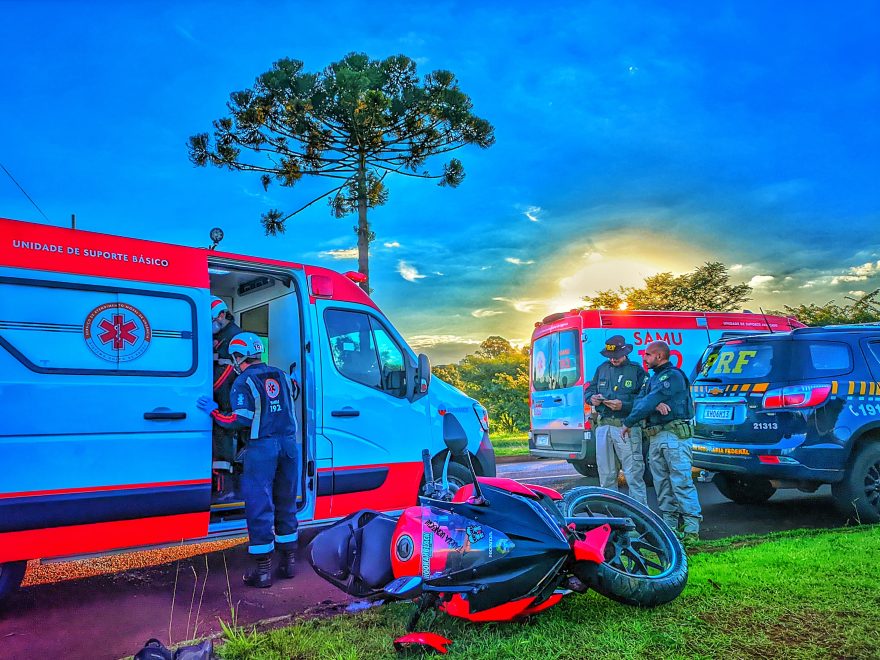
[[11, 575]]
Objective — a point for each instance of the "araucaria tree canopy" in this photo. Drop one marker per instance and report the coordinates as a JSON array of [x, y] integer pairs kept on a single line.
[[355, 122]]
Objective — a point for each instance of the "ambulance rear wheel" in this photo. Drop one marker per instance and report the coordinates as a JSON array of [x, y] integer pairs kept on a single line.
[[11, 575], [585, 468]]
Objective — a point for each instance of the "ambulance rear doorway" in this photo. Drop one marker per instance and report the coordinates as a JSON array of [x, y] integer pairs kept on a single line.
[[267, 303]]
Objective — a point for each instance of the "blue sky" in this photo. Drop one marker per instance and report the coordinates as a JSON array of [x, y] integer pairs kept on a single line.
[[632, 138]]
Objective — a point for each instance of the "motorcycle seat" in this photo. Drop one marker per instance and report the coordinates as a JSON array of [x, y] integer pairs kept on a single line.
[[374, 562]]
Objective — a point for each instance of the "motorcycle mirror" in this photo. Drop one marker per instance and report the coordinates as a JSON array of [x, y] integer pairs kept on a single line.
[[454, 435], [405, 588]]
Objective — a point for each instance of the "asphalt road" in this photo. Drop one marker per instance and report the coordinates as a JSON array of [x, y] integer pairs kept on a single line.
[[111, 616]]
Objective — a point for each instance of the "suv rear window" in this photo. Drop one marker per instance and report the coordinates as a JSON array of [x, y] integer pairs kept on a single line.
[[773, 360]]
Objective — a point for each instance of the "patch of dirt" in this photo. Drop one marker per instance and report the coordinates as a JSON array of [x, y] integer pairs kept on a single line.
[[803, 628]]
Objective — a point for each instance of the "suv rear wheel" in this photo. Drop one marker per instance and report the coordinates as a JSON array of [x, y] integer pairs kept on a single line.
[[858, 495], [744, 490]]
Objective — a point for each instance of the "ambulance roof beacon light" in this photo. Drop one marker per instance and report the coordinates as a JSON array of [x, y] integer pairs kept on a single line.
[[216, 237]]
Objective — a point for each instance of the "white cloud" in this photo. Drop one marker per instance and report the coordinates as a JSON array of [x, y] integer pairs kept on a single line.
[[344, 253], [419, 342], [485, 313], [438, 273], [485, 267], [392, 244], [760, 280], [858, 273], [735, 267], [857, 293], [409, 273], [518, 262], [532, 213], [809, 284], [526, 306]]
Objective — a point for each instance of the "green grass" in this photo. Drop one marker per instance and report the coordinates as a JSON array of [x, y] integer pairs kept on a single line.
[[510, 444], [790, 595]]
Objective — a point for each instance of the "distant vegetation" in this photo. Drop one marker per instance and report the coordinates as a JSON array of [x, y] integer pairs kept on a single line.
[[706, 289], [497, 376], [860, 310]]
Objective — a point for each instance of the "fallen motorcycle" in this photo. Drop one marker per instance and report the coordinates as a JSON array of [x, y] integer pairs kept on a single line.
[[499, 550]]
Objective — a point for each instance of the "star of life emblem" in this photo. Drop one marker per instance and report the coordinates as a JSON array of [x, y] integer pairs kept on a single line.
[[273, 389], [117, 332]]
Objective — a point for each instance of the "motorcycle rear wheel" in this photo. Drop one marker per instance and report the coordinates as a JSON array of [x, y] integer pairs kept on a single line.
[[645, 567]]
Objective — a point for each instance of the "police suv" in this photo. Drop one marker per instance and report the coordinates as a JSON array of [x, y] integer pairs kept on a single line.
[[792, 410]]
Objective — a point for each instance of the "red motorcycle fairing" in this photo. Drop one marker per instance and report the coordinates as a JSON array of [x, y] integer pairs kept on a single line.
[[511, 486], [436, 642], [528, 490], [461, 608], [592, 547], [429, 541]]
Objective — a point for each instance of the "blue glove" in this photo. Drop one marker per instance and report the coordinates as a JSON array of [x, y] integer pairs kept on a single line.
[[206, 404]]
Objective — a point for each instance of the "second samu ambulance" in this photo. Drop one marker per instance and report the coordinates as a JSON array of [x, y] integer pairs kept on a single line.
[[105, 346], [565, 355]]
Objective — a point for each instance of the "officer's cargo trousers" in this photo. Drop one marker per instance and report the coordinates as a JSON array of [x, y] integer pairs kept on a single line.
[[269, 483], [611, 447], [670, 461]]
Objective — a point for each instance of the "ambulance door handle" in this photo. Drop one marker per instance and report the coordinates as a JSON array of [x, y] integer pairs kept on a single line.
[[557, 399], [346, 412], [164, 414]]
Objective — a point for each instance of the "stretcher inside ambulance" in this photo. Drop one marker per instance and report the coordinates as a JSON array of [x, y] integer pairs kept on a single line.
[[105, 347]]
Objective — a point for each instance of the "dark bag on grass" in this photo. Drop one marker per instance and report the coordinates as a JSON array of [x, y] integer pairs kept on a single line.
[[156, 650]]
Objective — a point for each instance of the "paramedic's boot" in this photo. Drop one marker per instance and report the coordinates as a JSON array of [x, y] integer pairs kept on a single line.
[[287, 565], [261, 575]]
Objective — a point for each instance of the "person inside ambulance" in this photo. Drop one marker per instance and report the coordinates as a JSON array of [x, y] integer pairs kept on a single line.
[[223, 440], [262, 397], [223, 328]]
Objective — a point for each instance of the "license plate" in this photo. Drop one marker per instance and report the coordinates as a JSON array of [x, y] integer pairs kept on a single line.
[[718, 413], [542, 440]]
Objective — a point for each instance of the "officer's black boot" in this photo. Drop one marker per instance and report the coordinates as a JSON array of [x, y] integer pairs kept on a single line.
[[286, 567], [261, 575]]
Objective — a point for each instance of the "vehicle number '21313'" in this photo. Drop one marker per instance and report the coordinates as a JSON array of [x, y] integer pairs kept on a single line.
[[765, 426]]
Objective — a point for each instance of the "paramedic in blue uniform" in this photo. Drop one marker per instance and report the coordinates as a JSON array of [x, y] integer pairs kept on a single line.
[[665, 405], [262, 400]]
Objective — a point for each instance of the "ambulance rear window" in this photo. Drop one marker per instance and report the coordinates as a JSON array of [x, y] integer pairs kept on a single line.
[[556, 361], [76, 328]]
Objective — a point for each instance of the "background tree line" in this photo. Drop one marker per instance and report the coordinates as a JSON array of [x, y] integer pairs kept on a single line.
[[497, 374]]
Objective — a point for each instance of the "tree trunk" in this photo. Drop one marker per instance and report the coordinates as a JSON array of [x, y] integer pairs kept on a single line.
[[363, 231]]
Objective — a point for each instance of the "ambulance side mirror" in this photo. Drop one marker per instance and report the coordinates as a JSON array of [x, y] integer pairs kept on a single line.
[[421, 379]]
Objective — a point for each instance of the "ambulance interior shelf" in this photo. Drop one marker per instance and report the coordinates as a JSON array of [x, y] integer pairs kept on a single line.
[[267, 305]]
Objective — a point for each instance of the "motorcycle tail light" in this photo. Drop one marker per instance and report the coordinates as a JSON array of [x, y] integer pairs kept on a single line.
[[797, 396]]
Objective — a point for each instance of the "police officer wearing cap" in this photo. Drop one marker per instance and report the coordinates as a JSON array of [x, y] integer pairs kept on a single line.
[[262, 397], [665, 405], [611, 393]]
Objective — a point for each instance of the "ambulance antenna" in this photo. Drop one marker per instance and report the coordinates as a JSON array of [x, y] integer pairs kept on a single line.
[[764, 316]]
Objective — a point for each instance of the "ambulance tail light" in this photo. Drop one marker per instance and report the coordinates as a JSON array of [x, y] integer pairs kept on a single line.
[[588, 422], [797, 396]]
